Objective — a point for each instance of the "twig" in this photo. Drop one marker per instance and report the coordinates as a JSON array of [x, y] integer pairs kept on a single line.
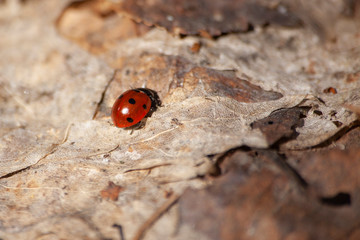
[[148, 168], [155, 216]]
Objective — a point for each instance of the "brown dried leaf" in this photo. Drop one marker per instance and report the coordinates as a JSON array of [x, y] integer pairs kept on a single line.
[[176, 79], [261, 194], [206, 18], [323, 16], [106, 26], [280, 126], [351, 140], [224, 84], [327, 112], [332, 170]]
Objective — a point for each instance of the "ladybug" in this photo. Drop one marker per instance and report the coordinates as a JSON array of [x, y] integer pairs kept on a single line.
[[133, 106]]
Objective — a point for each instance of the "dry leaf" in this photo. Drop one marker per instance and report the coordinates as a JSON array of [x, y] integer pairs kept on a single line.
[[59, 149], [208, 19]]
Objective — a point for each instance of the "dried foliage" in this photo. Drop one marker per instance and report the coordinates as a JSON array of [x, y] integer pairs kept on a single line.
[[257, 136], [206, 18]]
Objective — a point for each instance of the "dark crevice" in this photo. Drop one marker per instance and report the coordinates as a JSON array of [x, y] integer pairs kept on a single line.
[[120, 229], [339, 200], [337, 123], [338, 135], [250, 28], [276, 145], [15, 172], [103, 94], [219, 158], [280, 160], [318, 112], [147, 168], [321, 100], [51, 151]]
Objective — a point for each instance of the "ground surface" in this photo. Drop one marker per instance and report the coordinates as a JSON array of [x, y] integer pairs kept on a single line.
[[257, 137]]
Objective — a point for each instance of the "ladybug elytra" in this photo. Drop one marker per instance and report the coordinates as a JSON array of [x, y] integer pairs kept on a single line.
[[133, 106]]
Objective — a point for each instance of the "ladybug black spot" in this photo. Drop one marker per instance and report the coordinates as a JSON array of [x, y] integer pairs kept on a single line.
[[132, 101], [144, 106], [130, 120]]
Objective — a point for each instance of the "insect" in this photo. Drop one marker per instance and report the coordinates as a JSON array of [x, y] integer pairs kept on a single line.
[[131, 108]]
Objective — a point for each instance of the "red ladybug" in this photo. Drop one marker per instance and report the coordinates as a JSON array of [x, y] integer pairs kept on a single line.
[[133, 106]]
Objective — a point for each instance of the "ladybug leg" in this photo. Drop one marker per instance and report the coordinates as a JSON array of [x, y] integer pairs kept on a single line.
[[141, 124], [137, 126]]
